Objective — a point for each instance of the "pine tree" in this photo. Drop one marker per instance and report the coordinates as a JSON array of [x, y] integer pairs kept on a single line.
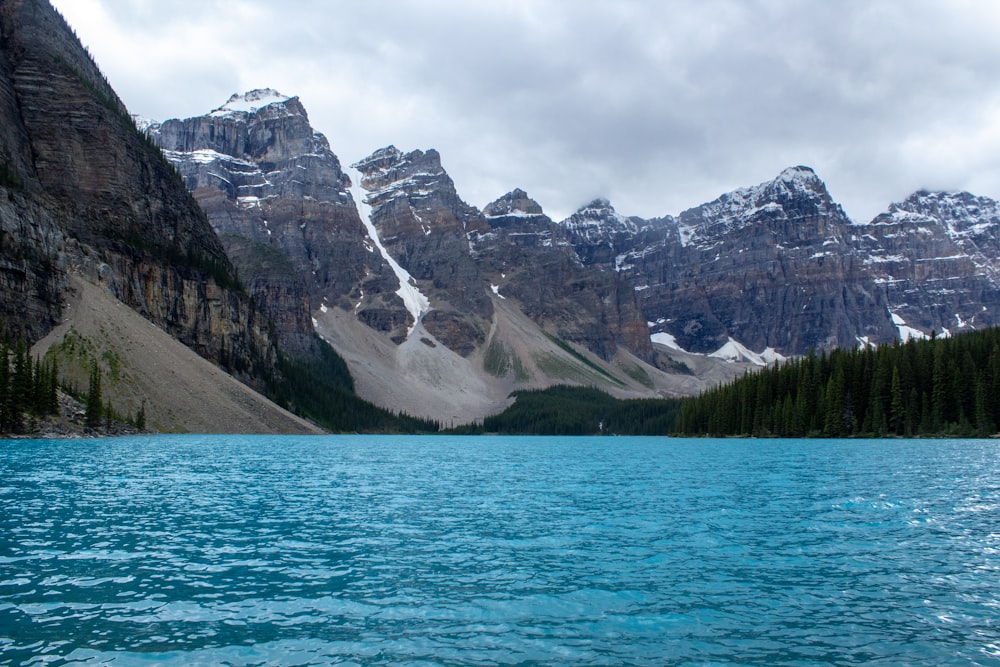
[[897, 407], [5, 397], [95, 406], [982, 416], [939, 389], [53, 391], [20, 388]]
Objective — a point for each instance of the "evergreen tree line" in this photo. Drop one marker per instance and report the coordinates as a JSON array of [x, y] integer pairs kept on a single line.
[[322, 391], [565, 410], [28, 387], [934, 387]]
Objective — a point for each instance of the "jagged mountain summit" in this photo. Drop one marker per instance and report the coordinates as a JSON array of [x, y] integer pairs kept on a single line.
[[779, 268], [768, 267], [424, 226], [438, 288], [280, 202], [937, 257]]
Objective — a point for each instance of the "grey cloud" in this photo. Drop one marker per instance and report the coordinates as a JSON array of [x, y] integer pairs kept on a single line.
[[659, 106]]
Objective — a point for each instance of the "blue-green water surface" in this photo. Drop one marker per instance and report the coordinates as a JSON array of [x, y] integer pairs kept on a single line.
[[364, 550]]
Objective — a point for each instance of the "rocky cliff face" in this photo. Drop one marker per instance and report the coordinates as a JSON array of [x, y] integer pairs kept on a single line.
[[780, 267], [277, 197], [530, 258], [425, 227], [937, 258], [771, 267], [85, 191]]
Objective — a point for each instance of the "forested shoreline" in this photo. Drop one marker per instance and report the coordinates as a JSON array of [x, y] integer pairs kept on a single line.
[[941, 386]]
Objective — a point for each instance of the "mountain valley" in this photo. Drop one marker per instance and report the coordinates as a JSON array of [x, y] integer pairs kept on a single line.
[[242, 235]]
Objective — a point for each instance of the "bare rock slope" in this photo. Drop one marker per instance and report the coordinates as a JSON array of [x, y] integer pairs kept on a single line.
[[142, 366]]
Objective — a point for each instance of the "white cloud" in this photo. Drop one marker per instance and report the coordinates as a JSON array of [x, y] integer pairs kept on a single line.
[[658, 106]]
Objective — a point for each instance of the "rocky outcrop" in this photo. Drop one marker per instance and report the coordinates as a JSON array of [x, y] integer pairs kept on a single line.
[[936, 256], [424, 225], [85, 191], [277, 197], [530, 259]]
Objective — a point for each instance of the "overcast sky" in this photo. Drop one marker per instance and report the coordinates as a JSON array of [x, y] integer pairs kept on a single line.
[[658, 105]]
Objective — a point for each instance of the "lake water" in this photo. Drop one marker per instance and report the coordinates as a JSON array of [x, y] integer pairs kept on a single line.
[[365, 550]]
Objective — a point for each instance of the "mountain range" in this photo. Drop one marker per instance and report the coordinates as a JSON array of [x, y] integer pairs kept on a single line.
[[251, 242]]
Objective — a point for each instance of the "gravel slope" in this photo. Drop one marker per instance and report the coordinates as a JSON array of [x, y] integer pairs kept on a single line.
[[183, 392]]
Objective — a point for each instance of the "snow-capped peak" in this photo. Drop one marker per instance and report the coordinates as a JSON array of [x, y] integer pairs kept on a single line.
[[801, 176], [251, 101], [515, 203], [598, 218]]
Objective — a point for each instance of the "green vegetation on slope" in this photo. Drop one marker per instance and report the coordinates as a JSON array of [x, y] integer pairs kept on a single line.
[[935, 387], [564, 410], [321, 390], [27, 388]]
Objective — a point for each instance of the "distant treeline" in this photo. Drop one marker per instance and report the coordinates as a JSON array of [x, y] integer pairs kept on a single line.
[[564, 410], [934, 387]]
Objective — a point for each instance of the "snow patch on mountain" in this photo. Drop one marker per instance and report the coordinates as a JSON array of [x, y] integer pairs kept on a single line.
[[250, 102], [735, 352], [906, 332], [414, 300], [666, 340]]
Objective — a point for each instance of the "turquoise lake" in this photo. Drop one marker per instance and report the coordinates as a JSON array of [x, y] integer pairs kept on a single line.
[[387, 550]]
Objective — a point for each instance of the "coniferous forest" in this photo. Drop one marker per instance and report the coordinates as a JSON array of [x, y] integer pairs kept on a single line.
[[934, 387], [27, 388]]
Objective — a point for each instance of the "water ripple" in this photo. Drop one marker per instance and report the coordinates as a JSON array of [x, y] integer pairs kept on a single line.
[[457, 551]]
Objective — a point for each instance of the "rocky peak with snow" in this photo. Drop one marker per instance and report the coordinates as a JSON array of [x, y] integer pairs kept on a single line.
[[797, 196], [768, 266], [416, 186], [426, 227], [600, 233], [937, 257], [515, 203], [262, 126], [251, 102], [599, 220], [962, 215], [278, 198]]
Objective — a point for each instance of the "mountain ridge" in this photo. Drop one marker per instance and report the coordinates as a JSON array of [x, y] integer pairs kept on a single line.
[[687, 270]]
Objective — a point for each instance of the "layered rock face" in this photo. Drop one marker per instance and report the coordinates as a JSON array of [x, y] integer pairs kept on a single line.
[[770, 266], [780, 266], [532, 260], [425, 227], [277, 197], [85, 191], [936, 255]]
